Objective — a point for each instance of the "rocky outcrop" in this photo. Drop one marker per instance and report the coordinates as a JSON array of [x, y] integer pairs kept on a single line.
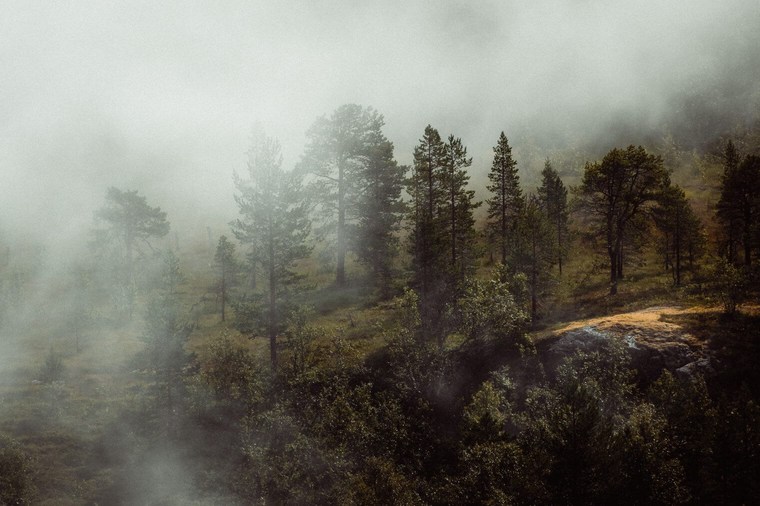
[[654, 345]]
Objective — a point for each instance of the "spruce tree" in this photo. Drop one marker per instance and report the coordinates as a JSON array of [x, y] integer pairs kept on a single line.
[[728, 213], [379, 210], [739, 204], [427, 201], [680, 227], [458, 222], [274, 221], [504, 207], [537, 250], [553, 199]]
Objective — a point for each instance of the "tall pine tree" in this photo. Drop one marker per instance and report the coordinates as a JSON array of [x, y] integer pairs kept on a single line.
[[458, 221], [379, 210], [552, 195], [728, 213], [274, 221], [507, 201], [345, 154]]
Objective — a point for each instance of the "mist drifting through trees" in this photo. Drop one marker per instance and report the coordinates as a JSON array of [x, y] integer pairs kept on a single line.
[[399, 253]]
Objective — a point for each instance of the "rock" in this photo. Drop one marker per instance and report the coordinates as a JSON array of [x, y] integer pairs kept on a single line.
[[702, 367], [651, 351]]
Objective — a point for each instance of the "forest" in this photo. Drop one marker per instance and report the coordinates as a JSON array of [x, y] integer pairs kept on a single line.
[[365, 332], [380, 253]]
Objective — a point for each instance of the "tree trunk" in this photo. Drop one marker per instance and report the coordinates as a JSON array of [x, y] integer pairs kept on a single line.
[[453, 226], [272, 317], [223, 292], [611, 251], [503, 238], [340, 274], [559, 242]]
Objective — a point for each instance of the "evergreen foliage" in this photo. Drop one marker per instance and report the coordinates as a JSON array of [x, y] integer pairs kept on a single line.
[[507, 200], [274, 222]]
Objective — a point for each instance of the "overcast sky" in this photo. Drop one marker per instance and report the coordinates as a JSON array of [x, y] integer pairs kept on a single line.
[[161, 96]]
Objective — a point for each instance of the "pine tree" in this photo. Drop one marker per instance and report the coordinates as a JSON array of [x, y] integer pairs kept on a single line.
[[504, 207], [458, 222], [274, 222], [428, 200], [130, 223], [680, 227], [739, 204], [727, 212], [380, 210], [341, 152], [553, 198], [165, 335], [537, 250], [615, 193]]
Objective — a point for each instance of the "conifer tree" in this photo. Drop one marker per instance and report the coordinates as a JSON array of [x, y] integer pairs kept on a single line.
[[681, 229], [727, 211], [459, 223], [553, 198], [615, 192], [165, 335], [428, 199], [739, 204], [537, 250], [380, 210], [130, 224], [274, 221], [504, 207], [342, 150]]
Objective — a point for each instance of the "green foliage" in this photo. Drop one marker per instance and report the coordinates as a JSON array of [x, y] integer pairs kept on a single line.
[[234, 375], [552, 195], [356, 184], [275, 224], [729, 284], [488, 309], [505, 205], [739, 204], [613, 195]]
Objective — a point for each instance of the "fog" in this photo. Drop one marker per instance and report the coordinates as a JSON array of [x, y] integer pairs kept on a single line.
[[160, 97]]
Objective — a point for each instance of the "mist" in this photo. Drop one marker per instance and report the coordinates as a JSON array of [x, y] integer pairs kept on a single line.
[[161, 98]]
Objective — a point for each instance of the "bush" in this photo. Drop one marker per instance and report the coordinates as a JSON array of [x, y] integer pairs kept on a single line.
[[15, 485]]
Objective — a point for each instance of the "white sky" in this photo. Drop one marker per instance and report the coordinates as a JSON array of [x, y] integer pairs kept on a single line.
[[160, 96]]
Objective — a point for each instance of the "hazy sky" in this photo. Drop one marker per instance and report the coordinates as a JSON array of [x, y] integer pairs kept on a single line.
[[161, 96]]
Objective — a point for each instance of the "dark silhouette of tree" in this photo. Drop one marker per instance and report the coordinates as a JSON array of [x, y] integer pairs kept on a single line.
[[728, 213], [617, 190], [341, 152], [274, 221], [504, 207], [680, 227], [553, 197], [227, 269], [379, 210], [165, 335], [458, 222], [739, 204], [537, 252], [426, 191]]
